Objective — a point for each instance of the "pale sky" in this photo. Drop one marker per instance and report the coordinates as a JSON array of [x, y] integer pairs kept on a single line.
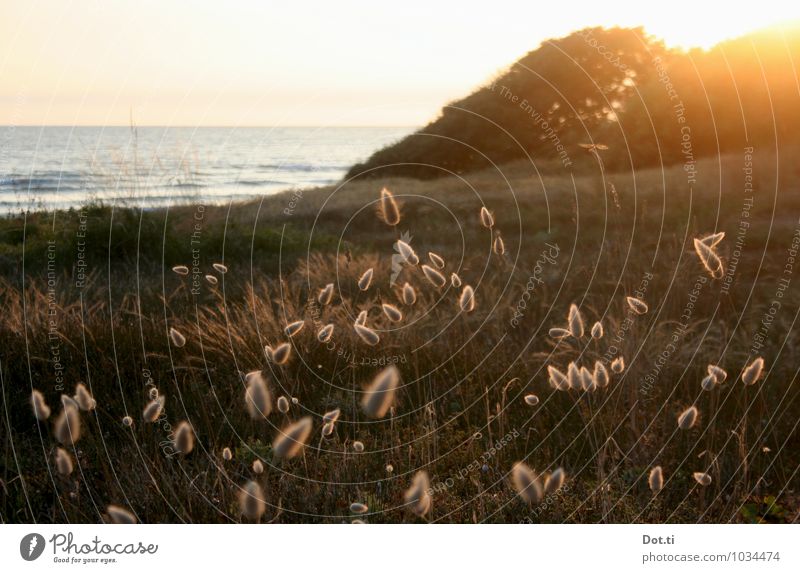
[[231, 62]]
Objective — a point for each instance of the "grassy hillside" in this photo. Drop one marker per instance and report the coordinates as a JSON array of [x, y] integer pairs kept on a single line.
[[89, 297]]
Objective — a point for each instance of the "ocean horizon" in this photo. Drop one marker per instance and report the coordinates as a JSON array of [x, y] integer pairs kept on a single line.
[[59, 167]]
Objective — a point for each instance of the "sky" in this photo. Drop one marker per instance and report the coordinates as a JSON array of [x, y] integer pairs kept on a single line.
[[238, 63]]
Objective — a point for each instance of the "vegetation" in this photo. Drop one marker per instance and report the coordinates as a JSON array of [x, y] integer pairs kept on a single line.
[[618, 87], [473, 398]]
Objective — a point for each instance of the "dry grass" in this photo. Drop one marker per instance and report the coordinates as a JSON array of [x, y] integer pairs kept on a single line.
[[459, 413]]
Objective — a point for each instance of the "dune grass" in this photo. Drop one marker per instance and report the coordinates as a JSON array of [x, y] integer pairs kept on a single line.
[[461, 412]]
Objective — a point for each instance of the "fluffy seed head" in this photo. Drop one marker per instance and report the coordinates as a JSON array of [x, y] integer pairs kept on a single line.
[[532, 400], [752, 372], [574, 377], [702, 478], [361, 318], [392, 312], [455, 280], [358, 508], [487, 220], [211, 279], [365, 280], [328, 428], [283, 404], [258, 467], [325, 295], [709, 259], [656, 479], [434, 277], [251, 501], [597, 330], [637, 305], [526, 483], [587, 380], [40, 408], [227, 454], [409, 295], [416, 496], [366, 334], [499, 246], [575, 321], [332, 416], [687, 418], [67, 427], [153, 393], [467, 299], [708, 383], [557, 379], [408, 254], [558, 333], [437, 261], [178, 339], [713, 240], [257, 397], [84, 398], [600, 375], [281, 353], [325, 333], [153, 410], [718, 373], [180, 270], [69, 402], [120, 515], [618, 365], [295, 327], [220, 268], [63, 462], [358, 447], [290, 440], [390, 211], [554, 481], [379, 396], [127, 421], [184, 438]]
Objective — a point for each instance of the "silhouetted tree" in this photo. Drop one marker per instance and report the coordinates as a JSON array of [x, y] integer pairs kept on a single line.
[[620, 87]]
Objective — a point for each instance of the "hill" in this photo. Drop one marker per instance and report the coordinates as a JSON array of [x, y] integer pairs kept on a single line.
[[623, 88]]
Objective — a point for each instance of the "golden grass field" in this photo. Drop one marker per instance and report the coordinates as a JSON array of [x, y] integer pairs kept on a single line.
[[473, 397]]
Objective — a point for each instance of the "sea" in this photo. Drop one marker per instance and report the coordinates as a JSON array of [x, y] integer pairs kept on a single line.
[[54, 167]]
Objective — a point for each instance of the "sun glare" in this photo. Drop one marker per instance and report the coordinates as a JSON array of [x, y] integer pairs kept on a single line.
[[239, 63]]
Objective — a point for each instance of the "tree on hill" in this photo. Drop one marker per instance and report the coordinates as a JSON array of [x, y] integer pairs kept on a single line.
[[620, 87]]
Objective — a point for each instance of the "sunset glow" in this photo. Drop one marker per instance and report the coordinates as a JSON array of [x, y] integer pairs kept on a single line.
[[347, 63]]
